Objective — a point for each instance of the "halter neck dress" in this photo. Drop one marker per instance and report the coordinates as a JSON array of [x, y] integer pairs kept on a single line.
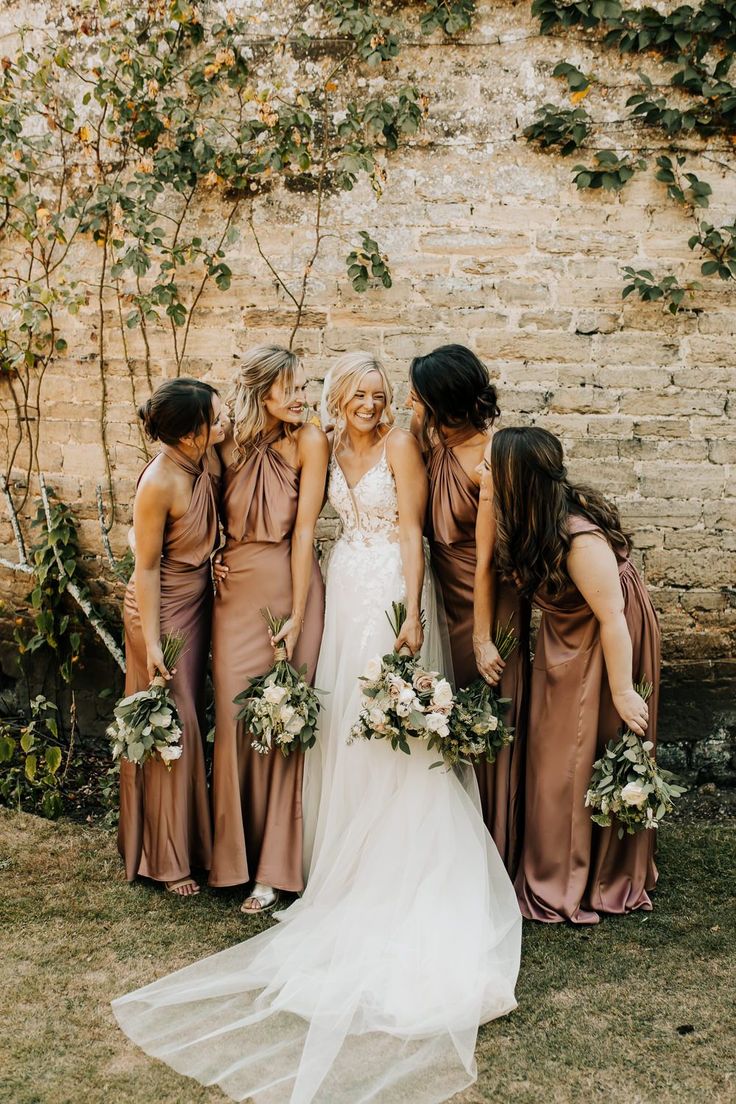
[[256, 799], [453, 509], [572, 869], [165, 827]]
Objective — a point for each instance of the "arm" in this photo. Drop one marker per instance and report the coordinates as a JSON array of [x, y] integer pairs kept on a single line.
[[591, 564], [487, 658], [150, 510], [313, 458], [405, 461]]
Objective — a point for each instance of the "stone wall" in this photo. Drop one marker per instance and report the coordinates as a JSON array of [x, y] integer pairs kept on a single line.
[[490, 244]]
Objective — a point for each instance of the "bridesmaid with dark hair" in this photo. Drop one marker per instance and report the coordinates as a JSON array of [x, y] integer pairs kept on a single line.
[[564, 548], [273, 487], [454, 407], [165, 828]]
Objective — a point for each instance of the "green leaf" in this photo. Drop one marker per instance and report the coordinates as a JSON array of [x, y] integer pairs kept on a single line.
[[53, 759]]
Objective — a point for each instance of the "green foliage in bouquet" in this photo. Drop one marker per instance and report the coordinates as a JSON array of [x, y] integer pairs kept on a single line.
[[146, 724], [280, 709], [401, 699], [476, 728], [627, 785], [30, 762]]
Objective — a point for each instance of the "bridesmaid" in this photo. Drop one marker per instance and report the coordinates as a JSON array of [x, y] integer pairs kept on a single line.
[[454, 407], [275, 468], [165, 827], [564, 547]]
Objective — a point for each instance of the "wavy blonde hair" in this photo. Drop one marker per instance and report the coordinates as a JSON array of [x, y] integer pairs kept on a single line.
[[260, 368], [343, 381]]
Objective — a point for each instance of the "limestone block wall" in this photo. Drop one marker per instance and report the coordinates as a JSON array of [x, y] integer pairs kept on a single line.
[[491, 245]]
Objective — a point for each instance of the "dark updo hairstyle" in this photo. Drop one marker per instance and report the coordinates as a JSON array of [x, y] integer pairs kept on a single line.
[[533, 499], [454, 386], [177, 407]]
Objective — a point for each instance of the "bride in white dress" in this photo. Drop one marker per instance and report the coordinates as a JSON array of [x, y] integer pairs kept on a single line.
[[407, 938]]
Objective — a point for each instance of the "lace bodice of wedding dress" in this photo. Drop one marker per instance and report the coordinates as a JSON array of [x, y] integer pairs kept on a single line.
[[369, 509]]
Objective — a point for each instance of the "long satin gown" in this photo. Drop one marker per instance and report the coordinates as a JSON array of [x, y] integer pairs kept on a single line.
[[407, 937], [256, 799], [165, 828], [572, 869], [453, 508]]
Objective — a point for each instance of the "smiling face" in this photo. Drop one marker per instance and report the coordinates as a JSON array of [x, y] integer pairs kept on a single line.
[[365, 409], [220, 422], [288, 406], [207, 435], [415, 404]]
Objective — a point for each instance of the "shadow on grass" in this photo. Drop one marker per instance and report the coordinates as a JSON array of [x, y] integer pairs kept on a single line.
[[633, 1011]]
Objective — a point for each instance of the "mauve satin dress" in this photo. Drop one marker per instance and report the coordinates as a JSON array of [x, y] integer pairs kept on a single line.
[[453, 509], [572, 869], [165, 827], [257, 799]]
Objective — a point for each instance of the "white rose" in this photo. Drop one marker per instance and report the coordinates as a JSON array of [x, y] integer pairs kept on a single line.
[[286, 713], [373, 669], [633, 794], [442, 693], [407, 695], [295, 725], [170, 753], [376, 717], [437, 723], [274, 695], [159, 719]]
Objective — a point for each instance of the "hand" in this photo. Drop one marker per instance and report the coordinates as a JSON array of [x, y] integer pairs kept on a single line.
[[488, 661], [219, 569], [633, 711], [155, 663], [411, 636], [289, 635]]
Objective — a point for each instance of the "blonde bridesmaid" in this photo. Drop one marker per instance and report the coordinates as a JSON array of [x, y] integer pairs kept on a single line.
[[563, 546], [454, 407], [273, 487], [165, 829]]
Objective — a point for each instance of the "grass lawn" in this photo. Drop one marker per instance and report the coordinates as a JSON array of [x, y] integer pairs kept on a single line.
[[634, 1011]]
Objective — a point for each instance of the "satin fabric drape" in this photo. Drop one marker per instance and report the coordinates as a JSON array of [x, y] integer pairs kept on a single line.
[[165, 828], [256, 799]]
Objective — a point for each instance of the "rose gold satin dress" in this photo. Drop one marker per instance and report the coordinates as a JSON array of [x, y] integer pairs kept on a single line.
[[572, 869], [165, 827], [256, 799], [453, 509]]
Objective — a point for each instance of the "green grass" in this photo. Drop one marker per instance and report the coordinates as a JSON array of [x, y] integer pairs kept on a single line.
[[599, 1008]]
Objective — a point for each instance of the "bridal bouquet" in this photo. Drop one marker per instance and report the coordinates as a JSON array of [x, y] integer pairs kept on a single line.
[[280, 708], [627, 784], [401, 699], [146, 724], [475, 728]]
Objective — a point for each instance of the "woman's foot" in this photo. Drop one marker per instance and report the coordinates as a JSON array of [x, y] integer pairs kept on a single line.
[[262, 898], [183, 887]]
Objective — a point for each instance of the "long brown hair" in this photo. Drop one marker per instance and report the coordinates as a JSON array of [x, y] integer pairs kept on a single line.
[[533, 498]]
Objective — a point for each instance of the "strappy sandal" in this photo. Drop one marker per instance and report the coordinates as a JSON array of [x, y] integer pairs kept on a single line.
[[175, 886], [266, 899]]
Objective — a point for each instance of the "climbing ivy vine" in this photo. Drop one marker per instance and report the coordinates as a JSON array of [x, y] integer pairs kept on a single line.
[[697, 101]]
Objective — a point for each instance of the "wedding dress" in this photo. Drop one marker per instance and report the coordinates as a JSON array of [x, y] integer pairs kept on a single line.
[[407, 938]]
